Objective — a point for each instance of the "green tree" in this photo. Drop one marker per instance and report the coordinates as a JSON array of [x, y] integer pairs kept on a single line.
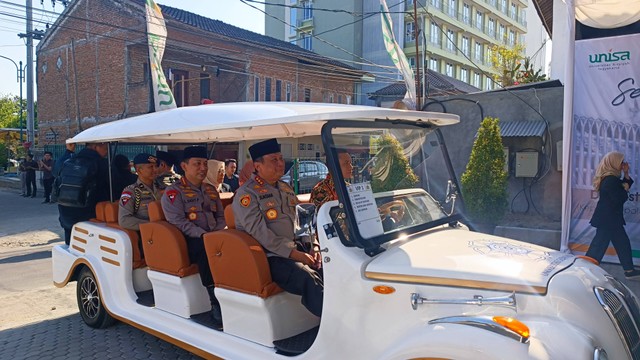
[[10, 111], [506, 61], [392, 170], [484, 182], [527, 74]]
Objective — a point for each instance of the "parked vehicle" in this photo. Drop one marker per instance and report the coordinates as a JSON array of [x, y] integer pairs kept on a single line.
[[403, 277], [307, 174]]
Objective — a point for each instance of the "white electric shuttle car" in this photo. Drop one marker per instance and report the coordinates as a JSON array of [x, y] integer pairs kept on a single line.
[[404, 278]]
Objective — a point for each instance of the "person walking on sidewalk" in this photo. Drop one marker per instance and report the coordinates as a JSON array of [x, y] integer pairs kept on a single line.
[[46, 166], [30, 167], [608, 217]]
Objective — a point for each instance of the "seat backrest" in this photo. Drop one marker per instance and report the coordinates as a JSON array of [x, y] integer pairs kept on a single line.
[[304, 198], [165, 249], [100, 211], [111, 212], [229, 218], [155, 211], [226, 198], [238, 262]]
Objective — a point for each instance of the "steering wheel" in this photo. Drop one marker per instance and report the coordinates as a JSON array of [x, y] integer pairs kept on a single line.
[[394, 209]]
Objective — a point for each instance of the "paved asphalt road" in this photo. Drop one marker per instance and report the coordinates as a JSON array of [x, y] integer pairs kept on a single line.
[[40, 321]]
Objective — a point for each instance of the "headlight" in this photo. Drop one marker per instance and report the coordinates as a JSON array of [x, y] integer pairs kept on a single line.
[[600, 354]]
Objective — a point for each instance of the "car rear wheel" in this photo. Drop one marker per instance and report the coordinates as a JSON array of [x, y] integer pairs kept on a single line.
[[89, 302]]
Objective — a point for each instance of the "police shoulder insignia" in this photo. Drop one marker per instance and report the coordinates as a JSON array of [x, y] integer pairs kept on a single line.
[[271, 214], [245, 200], [193, 216], [171, 194], [125, 197]]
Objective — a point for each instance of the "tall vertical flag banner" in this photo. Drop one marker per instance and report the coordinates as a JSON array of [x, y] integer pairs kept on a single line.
[[398, 57], [157, 37], [606, 117]]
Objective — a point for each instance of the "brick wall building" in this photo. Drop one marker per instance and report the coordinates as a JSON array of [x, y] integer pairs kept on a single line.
[[93, 66]]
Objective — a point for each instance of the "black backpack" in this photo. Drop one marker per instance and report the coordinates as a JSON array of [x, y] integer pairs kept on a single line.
[[77, 183]]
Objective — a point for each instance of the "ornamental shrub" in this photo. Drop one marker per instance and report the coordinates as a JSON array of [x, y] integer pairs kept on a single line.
[[484, 182], [392, 169]]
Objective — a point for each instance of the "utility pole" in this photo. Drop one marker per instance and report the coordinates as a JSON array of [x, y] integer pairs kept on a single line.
[[30, 35], [415, 41], [30, 117]]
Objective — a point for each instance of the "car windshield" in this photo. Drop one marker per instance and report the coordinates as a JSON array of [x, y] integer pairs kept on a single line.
[[400, 181]]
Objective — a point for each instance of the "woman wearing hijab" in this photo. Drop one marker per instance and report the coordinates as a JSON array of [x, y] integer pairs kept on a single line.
[[608, 218], [215, 175]]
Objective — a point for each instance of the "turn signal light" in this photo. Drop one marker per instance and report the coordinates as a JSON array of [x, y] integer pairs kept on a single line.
[[384, 290], [513, 325]]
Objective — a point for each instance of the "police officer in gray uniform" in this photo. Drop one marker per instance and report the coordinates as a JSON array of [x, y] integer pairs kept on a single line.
[[136, 197], [165, 175], [265, 208], [195, 208]]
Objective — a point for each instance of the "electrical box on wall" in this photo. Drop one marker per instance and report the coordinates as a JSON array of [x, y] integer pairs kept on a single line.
[[527, 164]]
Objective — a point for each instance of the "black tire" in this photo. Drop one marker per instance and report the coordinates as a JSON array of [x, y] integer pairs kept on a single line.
[[89, 302]]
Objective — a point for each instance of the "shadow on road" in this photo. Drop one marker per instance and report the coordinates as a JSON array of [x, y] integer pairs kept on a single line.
[[45, 254]]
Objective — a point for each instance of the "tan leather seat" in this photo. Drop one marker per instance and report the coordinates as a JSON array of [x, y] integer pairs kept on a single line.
[[226, 198], [100, 212], [238, 261], [165, 247], [111, 218]]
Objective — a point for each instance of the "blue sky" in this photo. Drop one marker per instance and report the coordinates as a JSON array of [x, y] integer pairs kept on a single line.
[[12, 22]]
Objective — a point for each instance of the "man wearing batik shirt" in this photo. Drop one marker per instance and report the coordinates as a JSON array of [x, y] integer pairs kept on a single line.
[[325, 190]]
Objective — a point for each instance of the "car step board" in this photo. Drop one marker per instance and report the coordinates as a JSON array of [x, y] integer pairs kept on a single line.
[[296, 344]]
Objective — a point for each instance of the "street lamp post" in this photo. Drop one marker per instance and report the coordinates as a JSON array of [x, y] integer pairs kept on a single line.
[[19, 69]]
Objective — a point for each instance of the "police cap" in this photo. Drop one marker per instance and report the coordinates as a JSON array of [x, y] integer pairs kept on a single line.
[[194, 152], [166, 157], [144, 158], [263, 148]]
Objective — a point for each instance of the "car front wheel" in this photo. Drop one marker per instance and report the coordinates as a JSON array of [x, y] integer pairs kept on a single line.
[[89, 302]]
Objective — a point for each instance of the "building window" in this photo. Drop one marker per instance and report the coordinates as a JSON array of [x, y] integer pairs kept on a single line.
[[453, 8], [307, 95], [503, 6], [449, 69], [205, 86], [409, 32], [288, 95], [501, 34], [256, 88], [180, 87], [412, 62], [466, 13], [512, 37], [293, 19], [465, 45], [331, 98], [489, 84], [514, 11], [339, 99], [437, 4], [492, 28], [478, 52], [348, 99], [479, 20], [278, 90], [306, 41], [434, 37], [476, 80], [433, 64], [307, 7], [267, 89], [451, 41], [464, 76]]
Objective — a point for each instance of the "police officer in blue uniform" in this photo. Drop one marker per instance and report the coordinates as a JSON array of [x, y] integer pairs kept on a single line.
[[265, 207]]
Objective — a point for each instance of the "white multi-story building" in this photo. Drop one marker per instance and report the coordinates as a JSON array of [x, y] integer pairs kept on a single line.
[[454, 37]]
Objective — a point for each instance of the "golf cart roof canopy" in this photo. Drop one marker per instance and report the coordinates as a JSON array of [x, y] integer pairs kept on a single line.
[[227, 122]]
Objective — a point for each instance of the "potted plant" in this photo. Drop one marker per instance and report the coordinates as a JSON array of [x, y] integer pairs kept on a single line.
[[484, 182]]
